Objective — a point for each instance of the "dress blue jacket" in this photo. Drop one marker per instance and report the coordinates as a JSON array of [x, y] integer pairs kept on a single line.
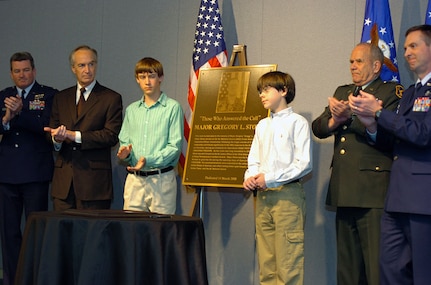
[[25, 149], [410, 136]]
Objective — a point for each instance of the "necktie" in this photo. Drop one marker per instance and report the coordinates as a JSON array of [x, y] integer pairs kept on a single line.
[[81, 102], [23, 94], [417, 88], [356, 91]]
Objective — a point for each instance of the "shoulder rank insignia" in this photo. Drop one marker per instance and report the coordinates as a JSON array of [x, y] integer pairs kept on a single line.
[[399, 89]]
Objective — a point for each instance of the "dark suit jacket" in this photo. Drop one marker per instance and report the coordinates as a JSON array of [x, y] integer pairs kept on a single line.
[[26, 150], [410, 184], [87, 165], [360, 172]]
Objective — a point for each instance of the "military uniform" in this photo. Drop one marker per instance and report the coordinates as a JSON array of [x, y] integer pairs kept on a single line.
[[406, 223], [26, 167], [357, 187]]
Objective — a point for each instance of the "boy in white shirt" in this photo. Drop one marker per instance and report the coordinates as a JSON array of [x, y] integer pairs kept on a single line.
[[280, 155]]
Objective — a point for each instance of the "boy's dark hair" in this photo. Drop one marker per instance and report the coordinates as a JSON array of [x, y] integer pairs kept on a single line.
[[149, 65], [280, 81], [426, 32], [21, 56]]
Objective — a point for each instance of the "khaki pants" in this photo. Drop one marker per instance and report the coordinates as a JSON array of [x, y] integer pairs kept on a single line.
[[155, 193], [280, 220]]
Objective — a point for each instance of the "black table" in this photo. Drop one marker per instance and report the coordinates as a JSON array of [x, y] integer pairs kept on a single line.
[[112, 247]]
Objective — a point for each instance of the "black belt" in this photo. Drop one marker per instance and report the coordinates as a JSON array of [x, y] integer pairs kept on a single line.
[[152, 172]]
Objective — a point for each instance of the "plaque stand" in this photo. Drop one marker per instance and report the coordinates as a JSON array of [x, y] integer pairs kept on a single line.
[[198, 205], [240, 51]]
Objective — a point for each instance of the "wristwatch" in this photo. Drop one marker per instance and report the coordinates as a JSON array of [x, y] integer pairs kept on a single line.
[[377, 114]]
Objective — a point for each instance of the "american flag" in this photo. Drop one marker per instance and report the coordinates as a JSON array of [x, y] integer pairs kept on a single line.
[[209, 50], [428, 14], [377, 29]]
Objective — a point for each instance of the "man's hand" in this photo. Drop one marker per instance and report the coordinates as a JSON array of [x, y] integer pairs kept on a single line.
[[340, 112], [61, 134], [13, 103], [124, 151], [365, 105], [13, 107], [141, 163]]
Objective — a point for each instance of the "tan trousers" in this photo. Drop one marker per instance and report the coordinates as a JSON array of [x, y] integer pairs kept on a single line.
[[155, 193], [280, 220]]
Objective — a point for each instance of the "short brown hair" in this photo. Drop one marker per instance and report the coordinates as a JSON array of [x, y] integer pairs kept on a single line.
[[424, 29], [280, 81], [149, 65], [21, 56]]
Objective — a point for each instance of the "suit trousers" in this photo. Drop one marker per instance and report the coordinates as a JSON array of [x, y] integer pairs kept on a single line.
[[406, 251], [280, 221], [71, 202], [358, 238], [14, 198]]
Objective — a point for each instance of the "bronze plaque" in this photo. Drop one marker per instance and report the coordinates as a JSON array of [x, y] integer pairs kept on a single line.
[[227, 109]]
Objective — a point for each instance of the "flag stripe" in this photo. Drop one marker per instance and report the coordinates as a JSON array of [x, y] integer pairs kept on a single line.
[[209, 51]]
